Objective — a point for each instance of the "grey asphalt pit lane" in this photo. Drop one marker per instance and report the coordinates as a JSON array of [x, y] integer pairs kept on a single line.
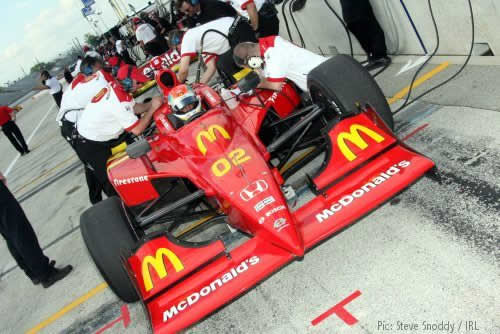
[[104, 315], [72, 190]]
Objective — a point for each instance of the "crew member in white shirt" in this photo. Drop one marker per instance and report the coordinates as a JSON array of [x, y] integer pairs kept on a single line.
[[262, 14], [277, 60], [105, 122], [121, 49], [215, 45], [52, 84], [147, 37]]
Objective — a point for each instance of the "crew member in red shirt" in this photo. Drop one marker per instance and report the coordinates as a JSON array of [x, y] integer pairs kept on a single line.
[[11, 130]]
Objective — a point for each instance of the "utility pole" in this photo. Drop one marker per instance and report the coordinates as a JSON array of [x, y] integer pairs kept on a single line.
[[22, 69], [118, 11]]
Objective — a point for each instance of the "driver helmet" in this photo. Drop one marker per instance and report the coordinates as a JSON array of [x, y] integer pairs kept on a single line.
[[184, 103]]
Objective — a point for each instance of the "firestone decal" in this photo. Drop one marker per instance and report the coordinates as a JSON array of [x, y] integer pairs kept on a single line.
[[131, 180], [360, 192], [212, 287]]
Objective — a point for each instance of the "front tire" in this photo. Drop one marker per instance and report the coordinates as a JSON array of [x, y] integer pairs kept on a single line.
[[109, 239], [344, 81]]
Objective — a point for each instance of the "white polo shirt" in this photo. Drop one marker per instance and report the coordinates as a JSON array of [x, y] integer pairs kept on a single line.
[[79, 93], [284, 60], [77, 68], [241, 5], [213, 45], [119, 46], [108, 115], [145, 32], [54, 85]]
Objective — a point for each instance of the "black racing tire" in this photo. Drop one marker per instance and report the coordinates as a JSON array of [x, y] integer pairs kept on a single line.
[[343, 80], [109, 239]]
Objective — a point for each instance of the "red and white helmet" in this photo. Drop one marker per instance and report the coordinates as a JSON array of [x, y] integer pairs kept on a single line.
[[184, 102]]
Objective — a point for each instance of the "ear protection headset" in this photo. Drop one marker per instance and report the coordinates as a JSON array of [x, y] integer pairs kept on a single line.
[[87, 70], [254, 62]]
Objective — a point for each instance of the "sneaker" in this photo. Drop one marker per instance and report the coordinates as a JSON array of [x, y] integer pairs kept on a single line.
[[37, 281], [55, 275]]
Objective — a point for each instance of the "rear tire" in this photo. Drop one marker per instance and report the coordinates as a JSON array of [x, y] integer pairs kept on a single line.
[[109, 239], [343, 80]]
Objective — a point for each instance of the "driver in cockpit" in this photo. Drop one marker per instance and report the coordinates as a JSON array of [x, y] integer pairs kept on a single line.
[[185, 105]]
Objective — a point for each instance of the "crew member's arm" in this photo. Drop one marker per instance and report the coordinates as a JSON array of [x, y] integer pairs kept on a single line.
[[142, 123], [41, 87], [183, 71], [142, 46], [209, 71], [273, 85], [253, 15]]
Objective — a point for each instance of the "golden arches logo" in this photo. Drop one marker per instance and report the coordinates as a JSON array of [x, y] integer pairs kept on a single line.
[[210, 136], [354, 137], [159, 265]]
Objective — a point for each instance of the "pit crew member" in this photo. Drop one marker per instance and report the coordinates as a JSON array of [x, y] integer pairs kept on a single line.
[[51, 83], [276, 60], [214, 45], [203, 11], [106, 122], [146, 36], [131, 78], [262, 14], [76, 97]]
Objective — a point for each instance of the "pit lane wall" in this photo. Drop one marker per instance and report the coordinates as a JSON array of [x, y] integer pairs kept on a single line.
[[321, 29]]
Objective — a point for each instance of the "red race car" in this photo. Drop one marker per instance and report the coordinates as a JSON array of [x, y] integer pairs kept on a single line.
[[263, 182]]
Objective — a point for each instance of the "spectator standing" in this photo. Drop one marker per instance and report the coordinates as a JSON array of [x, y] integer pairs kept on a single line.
[[23, 243], [11, 130]]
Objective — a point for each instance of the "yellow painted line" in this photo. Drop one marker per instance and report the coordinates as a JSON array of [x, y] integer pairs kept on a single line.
[[68, 308], [402, 93]]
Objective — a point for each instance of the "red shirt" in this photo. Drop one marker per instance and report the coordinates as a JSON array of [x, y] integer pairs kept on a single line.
[[5, 114]]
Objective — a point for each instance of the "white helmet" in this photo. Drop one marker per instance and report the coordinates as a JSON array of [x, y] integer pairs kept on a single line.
[[184, 102]]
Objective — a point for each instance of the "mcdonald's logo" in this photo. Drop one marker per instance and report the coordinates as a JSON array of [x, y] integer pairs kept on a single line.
[[158, 264], [355, 138], [210, 136]]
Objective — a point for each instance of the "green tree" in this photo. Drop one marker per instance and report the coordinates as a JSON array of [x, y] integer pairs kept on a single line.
[[92, 40]]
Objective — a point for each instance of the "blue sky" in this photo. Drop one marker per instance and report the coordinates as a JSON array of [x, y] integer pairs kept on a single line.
[[43, 29]]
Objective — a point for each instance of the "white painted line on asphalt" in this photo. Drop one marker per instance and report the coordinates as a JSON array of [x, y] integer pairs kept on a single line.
[[412, 64], [6, 173]]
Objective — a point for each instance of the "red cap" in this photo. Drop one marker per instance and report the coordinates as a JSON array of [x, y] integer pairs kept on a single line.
[[135, 74], [85, 48], [136, 20]]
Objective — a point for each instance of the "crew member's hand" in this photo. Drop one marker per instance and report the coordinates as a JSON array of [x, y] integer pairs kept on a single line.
[[3, 179]]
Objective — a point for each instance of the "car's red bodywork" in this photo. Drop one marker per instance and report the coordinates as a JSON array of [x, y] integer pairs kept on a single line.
[[221, 154]]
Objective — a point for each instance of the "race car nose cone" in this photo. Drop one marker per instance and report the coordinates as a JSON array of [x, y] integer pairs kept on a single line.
[[288, 239]]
